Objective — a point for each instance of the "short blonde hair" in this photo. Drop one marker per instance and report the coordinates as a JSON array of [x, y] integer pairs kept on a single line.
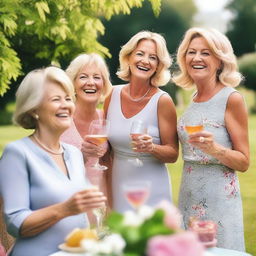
[[31, 91], [83, 60], [162, 75], [220, 46]]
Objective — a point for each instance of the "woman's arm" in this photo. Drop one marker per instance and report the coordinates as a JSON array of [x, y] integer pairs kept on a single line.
[[236, 119], [80, 202], [15, 184], [168, 150]]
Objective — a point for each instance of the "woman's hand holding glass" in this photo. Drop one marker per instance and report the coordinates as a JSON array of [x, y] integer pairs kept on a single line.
[[197, 136], [84, 201], [137, 131], [95, 142]]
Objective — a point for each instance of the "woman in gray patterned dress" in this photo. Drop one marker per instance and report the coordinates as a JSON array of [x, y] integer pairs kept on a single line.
[[210, 187]]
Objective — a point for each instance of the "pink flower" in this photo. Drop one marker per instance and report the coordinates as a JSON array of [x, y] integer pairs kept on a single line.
[[182, 244], [2, 250], [172, 217]]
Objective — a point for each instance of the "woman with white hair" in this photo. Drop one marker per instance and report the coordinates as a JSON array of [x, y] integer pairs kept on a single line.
[[90, 76], [144, 63], [42, 181], [210, 187]]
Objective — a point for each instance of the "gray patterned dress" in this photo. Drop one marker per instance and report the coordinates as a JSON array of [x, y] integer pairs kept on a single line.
[[210, 190]]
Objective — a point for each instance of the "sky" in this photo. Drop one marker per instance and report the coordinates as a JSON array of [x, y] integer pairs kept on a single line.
[[210, 5], [212, 14]]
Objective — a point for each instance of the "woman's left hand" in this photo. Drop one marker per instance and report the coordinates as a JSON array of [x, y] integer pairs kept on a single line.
[[143, 143], [90, 149], [203, 140]]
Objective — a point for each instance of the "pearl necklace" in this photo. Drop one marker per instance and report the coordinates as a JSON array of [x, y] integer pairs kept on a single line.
[[142, 97], [59, 152]]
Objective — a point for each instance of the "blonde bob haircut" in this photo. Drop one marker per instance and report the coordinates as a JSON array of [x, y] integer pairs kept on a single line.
[[162, 74], [83, 60], [220, 46], [30, 93]]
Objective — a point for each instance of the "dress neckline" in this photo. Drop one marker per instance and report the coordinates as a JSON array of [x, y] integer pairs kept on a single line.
[[120, 103], [214, 96]]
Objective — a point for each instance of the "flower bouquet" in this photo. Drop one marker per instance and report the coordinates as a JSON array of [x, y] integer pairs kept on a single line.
[[149, 231]]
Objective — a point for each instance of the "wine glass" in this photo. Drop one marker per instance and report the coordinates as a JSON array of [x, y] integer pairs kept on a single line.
[[100, 213], [98, 135], [137, 129], [136, 192], [193, 121]]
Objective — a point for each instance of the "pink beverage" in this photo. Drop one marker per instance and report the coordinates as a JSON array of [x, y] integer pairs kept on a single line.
[[135, 135], [137, 197], [97, 139], [206, 229]]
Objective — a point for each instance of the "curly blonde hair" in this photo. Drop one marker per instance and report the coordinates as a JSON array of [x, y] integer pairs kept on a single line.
[[220, 46], [83, 60], [162, 75]]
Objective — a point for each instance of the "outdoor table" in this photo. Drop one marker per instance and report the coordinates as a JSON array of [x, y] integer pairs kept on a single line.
[[210, 252]]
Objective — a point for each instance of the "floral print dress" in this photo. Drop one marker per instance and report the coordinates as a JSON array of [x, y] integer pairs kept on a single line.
[[210, 190]]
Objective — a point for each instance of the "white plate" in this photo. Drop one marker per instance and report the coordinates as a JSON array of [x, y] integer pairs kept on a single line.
[[209, 254], [66, 248]]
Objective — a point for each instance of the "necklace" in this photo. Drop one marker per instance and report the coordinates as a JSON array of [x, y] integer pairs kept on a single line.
[[59, 152], [142, 97]]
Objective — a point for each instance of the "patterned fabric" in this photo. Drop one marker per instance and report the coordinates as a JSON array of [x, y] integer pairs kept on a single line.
[[123, 170], [210, 190]]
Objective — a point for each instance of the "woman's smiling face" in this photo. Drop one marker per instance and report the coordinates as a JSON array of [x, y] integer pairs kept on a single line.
[[143, 61], [89, 83], [56, 109], [201, 63]]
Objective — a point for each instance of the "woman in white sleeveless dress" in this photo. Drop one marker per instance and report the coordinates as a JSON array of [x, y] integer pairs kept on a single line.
[[210, 186], [144, 62]]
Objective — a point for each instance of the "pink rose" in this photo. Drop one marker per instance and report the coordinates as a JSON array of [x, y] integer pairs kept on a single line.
[[181, 244], [172, 217], [2, 250]]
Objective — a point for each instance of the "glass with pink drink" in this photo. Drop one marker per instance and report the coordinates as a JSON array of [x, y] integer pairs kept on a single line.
[[136, 193], [98, 135]]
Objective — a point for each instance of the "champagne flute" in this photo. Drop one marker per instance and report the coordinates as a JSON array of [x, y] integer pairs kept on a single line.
[[137, 129], [193, 121], [99, 213], [136, 192], [98, 135]]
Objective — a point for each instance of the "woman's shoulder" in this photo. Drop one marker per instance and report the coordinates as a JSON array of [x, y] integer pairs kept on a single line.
[[18, 144], [17, 148], [70, 147]]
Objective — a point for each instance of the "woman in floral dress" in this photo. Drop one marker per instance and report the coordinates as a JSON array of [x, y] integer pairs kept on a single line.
[[210, 187]]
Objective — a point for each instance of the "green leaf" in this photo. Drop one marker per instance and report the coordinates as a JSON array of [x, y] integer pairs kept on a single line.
[[42, 8]]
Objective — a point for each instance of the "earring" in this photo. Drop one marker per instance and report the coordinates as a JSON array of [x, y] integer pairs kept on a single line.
[[36, 116]]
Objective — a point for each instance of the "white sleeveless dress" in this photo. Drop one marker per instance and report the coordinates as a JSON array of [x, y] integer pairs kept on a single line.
[[123, 170], [210, 190]]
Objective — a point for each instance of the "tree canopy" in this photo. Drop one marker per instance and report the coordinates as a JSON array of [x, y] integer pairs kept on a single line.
[[51, 31], [241, 29]]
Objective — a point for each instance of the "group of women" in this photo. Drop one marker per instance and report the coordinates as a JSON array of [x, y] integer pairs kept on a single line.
[[45, 178]]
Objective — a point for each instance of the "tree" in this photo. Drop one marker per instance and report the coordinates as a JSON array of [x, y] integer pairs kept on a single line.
[[241, 30], [52, 31], [247, 66]]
